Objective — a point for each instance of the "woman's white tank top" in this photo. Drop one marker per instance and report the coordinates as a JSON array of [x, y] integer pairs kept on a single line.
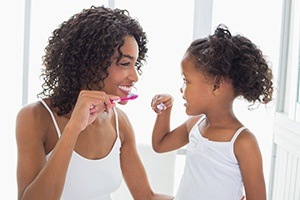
[[91, 179]]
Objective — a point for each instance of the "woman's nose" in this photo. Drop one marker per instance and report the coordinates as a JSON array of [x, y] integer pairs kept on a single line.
[[133, 74]]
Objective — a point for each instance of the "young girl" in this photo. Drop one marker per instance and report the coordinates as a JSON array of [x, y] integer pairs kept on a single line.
[[222, 156]]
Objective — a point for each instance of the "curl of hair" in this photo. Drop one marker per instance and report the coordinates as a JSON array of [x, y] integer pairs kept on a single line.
[[79, 51], [237, 59]]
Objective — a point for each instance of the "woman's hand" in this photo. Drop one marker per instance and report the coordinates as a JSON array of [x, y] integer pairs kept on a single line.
[[88, 106]]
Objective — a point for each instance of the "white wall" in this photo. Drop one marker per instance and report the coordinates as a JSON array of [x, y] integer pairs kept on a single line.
[[11, 40]]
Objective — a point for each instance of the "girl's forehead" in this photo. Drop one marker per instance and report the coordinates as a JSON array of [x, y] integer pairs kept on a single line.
[[188, 66], [190, 70]]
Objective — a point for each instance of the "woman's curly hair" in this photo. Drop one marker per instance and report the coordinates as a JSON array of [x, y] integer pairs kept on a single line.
[[237, 59], [79, 53]]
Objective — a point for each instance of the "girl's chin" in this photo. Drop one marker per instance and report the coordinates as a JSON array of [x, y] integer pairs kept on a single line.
[[186, 112], [186, 109], [189, 112]]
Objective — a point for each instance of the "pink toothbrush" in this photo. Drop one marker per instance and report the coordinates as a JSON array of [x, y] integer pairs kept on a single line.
[[130, 97]]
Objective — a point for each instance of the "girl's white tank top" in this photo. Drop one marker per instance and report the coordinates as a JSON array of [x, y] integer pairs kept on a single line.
[[211, 171]]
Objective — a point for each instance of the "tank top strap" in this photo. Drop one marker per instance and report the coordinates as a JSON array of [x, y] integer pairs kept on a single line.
[[117, 120], [52, 116], [56, 125], [237, 133], [200, 120]]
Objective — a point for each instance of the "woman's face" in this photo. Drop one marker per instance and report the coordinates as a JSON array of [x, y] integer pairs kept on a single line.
[[123, 74]]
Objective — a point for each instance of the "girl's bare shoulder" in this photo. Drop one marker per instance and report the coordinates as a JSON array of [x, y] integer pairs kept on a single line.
[[192, 120], [246, 144]]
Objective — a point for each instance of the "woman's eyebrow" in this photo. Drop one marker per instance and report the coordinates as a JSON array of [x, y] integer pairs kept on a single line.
[[128, 56]]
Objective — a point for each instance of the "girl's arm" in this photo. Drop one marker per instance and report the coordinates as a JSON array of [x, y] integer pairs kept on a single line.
[[133, 170], [163, 139], [250, 161]]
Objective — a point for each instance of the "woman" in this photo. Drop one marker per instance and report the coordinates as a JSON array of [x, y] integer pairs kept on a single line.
[[75, 143]]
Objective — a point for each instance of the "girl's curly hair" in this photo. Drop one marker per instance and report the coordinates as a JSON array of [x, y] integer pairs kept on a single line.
[[79, 51], [235, 58]]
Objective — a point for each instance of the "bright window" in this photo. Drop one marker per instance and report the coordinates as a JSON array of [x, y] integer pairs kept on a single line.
[[289, 92]]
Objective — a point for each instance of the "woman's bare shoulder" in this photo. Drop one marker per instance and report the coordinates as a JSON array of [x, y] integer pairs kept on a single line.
[[32, 110], [32, 119], [125, 126]]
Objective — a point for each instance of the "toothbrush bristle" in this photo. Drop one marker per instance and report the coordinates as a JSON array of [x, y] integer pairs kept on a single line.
[[130, 94]]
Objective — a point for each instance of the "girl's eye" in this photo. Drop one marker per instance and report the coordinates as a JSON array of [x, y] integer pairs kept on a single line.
[[183, 87], [184, 81]]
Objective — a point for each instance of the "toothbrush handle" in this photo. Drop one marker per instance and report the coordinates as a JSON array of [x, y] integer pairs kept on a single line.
[[124, 99]]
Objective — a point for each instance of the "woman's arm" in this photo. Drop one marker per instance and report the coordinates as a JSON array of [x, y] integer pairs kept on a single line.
[[133, 170], [38, 179], [250, 161]]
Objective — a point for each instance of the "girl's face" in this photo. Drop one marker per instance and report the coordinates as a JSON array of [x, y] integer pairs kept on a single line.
[[197, 89], [123, 74]]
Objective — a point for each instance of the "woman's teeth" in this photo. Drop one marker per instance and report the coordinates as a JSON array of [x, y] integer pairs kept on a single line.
[[125, 88]]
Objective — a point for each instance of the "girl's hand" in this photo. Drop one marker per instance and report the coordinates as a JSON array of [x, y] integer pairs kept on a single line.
[[88, 107], [161, 102]]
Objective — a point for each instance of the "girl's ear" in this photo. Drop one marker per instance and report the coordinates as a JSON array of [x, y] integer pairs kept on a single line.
[[218, 85]]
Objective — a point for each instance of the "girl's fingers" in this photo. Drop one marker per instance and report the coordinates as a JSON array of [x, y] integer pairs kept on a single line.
[[158, 103], [161, 102]]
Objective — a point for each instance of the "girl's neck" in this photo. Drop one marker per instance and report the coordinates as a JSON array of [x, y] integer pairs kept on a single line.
[[221, 119]]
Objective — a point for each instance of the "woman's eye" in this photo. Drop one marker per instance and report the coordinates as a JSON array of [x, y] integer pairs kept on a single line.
[[125, 63], [184, 81]]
